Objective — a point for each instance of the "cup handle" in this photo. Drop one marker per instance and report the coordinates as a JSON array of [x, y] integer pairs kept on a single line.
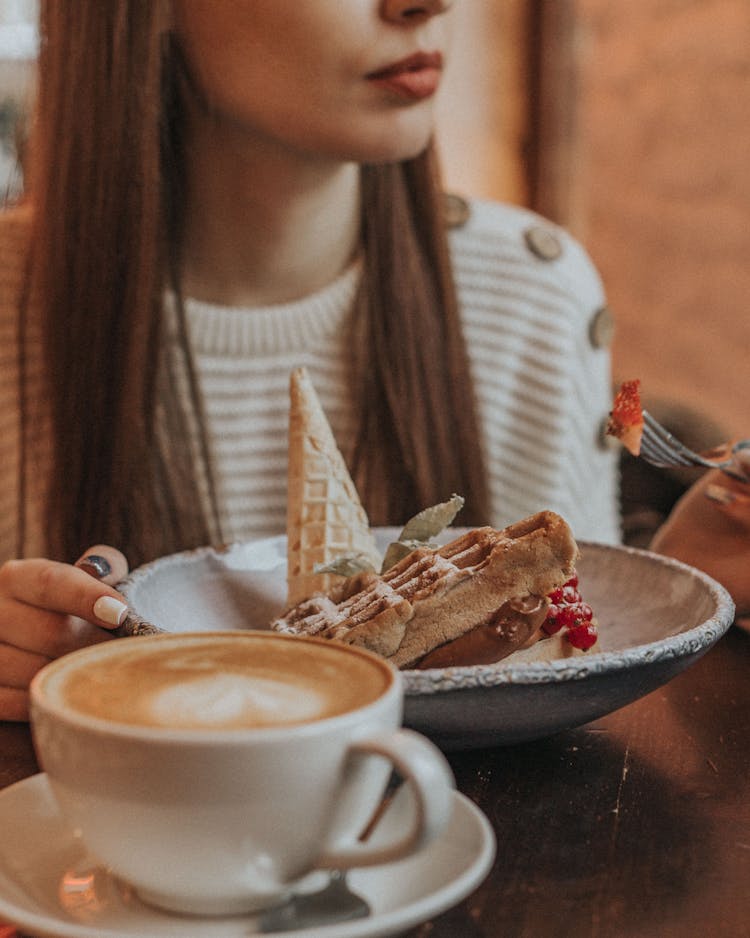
[[425, 769]]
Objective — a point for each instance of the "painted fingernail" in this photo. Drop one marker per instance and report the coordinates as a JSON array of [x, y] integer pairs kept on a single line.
[[95, 565], [110, 610]]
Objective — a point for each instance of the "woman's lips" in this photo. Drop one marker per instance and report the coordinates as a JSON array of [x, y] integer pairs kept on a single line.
[[415, 77]]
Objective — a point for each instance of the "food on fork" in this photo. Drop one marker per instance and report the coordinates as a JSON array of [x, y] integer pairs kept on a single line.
[[325, 518], [626, 417], [480, 598]]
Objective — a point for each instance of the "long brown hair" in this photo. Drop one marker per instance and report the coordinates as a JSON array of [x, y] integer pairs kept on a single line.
[[418, 432], [104, 172]]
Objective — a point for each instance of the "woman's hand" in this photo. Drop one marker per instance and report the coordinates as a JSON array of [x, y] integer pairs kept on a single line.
[[48, 609], [709, 528]]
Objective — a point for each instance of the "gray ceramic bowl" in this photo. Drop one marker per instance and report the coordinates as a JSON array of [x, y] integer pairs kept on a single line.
[[656, 617]]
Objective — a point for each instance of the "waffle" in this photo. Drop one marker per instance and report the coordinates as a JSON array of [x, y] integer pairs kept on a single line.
[[325, 518], [435, 596]]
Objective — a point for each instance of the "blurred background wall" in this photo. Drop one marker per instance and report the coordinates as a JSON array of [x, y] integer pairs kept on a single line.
[[662, 191], [624, 120], [628, 122]]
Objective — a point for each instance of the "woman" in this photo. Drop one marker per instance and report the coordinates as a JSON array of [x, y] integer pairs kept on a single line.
[[218, 193]]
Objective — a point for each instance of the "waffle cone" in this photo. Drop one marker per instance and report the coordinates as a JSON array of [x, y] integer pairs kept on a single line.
[[325, 517]]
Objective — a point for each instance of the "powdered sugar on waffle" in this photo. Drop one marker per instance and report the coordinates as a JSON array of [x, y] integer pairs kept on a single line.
[[433, 596]]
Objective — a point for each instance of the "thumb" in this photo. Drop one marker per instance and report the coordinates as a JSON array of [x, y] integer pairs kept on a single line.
[[104, 563]]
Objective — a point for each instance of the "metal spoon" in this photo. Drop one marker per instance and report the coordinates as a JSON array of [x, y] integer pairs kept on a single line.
[[335, 902]]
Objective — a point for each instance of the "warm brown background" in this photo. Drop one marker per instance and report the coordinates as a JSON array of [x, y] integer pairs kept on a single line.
[[629, 122]]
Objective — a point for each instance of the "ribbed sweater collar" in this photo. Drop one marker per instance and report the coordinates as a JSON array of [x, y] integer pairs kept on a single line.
[[265, 330]]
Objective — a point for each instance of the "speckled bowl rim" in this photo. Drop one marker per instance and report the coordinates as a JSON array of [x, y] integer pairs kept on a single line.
[[691, 642]]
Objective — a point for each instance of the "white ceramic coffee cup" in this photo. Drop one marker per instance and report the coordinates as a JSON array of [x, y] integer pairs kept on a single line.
[[201, 813]]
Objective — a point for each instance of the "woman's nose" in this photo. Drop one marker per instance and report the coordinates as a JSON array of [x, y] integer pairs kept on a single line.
[[405, 10]]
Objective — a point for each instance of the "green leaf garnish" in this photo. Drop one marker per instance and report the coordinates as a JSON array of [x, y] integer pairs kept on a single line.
[[346, 565], [431, 521], [419, 530]]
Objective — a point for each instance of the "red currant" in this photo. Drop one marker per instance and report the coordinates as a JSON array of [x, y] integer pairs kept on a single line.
[[568, 611], [551, 624], [568, 616], [570, 594], [582, 636]]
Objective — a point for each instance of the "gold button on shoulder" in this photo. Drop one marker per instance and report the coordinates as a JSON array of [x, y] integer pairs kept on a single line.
[[543, 243], [605, 440], [602, 328], [456, 210]]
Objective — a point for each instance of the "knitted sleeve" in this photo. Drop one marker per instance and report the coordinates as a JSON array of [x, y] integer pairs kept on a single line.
[[531, 301]]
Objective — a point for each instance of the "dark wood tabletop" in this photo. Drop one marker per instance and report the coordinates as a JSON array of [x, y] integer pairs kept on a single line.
[[634, 826]]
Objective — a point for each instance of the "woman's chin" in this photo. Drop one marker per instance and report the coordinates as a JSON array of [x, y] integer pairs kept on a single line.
[[393, 151], [403, 137]]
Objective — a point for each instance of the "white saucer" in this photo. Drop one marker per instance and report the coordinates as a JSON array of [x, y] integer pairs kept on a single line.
[[50, 888]]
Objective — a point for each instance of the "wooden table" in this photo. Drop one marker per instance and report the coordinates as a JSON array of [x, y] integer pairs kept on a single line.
[[634, 826]]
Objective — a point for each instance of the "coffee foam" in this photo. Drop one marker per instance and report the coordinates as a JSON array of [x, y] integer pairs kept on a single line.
[[233, 698], [242, 680]]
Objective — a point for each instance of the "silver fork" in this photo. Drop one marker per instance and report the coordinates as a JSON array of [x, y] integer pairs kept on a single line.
[[661, 448]]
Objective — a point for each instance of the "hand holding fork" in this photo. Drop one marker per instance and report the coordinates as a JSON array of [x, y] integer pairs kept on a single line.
[[717, 541], [660, 448]]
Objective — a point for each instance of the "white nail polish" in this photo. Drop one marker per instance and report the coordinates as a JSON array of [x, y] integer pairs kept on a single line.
[[110, 610]]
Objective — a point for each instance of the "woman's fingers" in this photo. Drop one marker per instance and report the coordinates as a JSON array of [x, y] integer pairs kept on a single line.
[[18, 667], [43, 632], [709, 528], [48, 609], [61, 588], [14, 704]]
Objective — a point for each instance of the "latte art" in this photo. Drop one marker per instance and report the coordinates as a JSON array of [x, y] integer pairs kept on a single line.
[[242, 681], [241, 760], [234, 698]]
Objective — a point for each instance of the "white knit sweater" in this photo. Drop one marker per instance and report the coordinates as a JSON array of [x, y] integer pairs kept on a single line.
[[543, 387]]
